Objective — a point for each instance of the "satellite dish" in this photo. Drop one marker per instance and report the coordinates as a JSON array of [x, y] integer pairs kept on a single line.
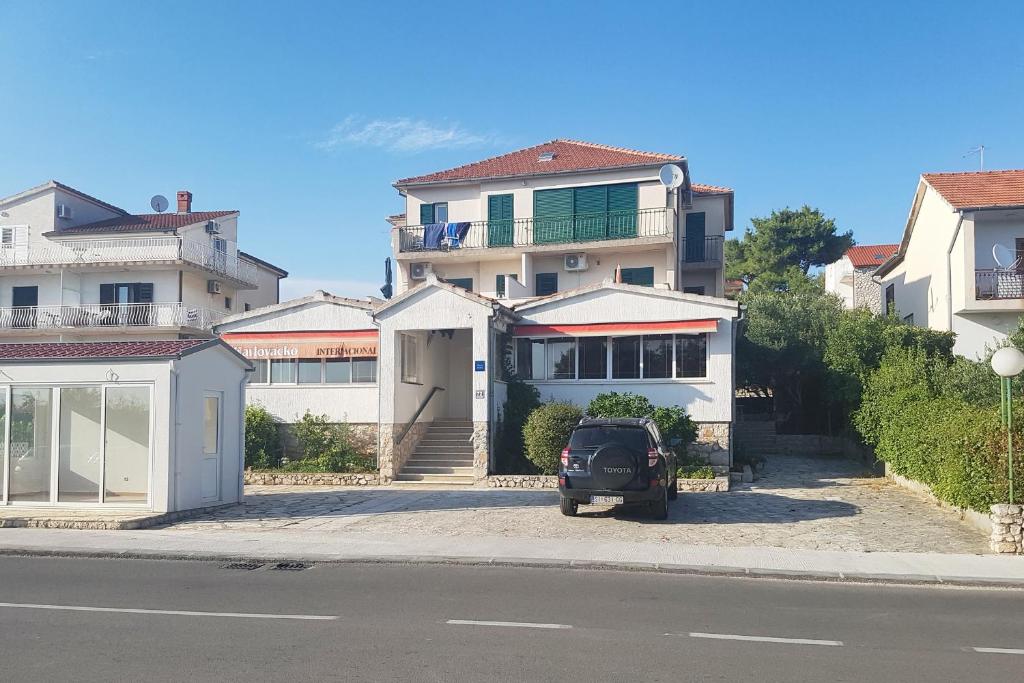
[[671, 176], [159, 203], [1004, 256]]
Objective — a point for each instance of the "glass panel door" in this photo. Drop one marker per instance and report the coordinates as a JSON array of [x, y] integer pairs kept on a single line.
[[3, 444], [31, 444], [78, 473], [126, 445]]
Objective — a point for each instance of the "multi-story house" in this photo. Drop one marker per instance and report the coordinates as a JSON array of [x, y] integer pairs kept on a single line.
[[852, 277], [960, 264], [75, 268]]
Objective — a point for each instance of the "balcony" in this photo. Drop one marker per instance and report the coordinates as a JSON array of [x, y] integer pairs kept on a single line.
[[105, 317], [533, 232], [998, 285], [132, 250], [704, 252]]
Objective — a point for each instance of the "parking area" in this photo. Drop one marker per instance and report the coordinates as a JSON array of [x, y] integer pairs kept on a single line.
[[806, 503]]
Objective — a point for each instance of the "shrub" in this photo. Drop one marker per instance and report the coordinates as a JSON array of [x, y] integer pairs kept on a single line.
[[673, 421], [696, 472], [262, 441], [521, 400], [547, 432], [326, 447]]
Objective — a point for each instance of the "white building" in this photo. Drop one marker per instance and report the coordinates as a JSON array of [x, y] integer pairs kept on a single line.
[[851, 278], [73, 268], [137, 425], [945, 274], [495, 276]]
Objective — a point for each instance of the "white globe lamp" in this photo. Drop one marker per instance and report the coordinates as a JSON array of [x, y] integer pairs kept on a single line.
[[1008, 361]]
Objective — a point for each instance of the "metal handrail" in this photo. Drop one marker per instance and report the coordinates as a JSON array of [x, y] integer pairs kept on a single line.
[[707, 249], [415, 416], [998, 284]]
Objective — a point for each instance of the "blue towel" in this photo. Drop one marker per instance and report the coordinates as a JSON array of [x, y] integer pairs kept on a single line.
[[456, 233], [432, 235]]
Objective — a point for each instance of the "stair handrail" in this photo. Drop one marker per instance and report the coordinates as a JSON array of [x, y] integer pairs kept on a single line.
[[415, 416]]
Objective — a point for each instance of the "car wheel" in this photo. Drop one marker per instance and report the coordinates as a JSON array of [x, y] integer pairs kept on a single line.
[[569, 507], [673, 490], [659, 508]]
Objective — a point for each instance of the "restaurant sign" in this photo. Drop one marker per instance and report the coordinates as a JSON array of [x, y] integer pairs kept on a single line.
[[305, 348]]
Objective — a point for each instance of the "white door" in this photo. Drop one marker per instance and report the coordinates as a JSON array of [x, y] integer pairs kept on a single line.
[[210, 466]]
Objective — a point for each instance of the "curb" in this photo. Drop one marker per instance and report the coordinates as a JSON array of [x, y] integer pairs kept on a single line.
[[542, 563]]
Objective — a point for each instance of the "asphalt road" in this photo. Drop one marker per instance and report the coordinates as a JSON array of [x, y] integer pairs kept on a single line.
[[91, 619]]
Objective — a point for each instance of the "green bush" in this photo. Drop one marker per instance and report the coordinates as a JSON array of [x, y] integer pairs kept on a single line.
[[326, 447], [673, 421], [521, 400], [696, 472], [547, 432], [262, 441]]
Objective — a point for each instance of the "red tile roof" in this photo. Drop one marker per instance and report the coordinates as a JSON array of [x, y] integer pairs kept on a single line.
[[146, 222], [698, 188], [569, 155], [980, 189], [174, 348], [868, 255]]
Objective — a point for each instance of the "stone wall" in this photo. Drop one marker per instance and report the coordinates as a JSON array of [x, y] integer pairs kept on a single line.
[[713, 444], [1007, 529], [866, 293], [719, 484], [522, 481], [312, 478], [392, 457], [481, 450]]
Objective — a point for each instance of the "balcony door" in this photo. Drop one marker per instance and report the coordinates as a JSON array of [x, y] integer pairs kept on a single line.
[[695, 234], [24, 302], [126, 303], [500, 225], [579, 214]]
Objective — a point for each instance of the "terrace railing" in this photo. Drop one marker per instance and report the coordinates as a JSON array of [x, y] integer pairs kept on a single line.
[[168, 315], [999, 284], [706, 250]]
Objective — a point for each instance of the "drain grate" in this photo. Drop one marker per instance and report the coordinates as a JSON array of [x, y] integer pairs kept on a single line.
[[291, 566], [247, 566]]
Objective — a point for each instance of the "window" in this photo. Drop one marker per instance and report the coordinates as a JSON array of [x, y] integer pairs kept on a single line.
[[282, 371], [691, 355], [638, 276], [364, 370], [227, 302], [6, 236], [126, 461], [500, 284], [410, 359], [593, 358], [126, 293], [593, 212], [260, 373], [211, 425], [909, 318], [247, 307], [310, 371], [337, 371], [694, 290], [31, 446], [561, 358], [890, 299], [434, 213], [316, 371], [78, 475], [626, 357], [529, 361], [464, 282], [545, 284], [658, 356]]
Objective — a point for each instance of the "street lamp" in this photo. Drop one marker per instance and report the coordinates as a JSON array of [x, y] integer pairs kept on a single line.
[[1007, 362]]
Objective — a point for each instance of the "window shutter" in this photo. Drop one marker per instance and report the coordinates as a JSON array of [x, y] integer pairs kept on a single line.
[[144, 293], [590, 209], [500, 225], [545, 283], [638, 276], [426, 214], [107, 295], [622, 210], [552, 216], [693, 251], [499, 286]]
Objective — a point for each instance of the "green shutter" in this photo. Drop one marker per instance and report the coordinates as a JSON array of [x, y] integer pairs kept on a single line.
[[622, 210], [552, 216], [500, 226], [499, 286], [426, 214], [693, 250], [545, 283], [638, 276], [590, 212], [464, 282]]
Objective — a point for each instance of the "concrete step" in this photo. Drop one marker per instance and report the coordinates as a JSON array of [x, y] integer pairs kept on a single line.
[[423, 469], [444, 441], [438, 462], [436, 478], [450, 433], [464, 448]]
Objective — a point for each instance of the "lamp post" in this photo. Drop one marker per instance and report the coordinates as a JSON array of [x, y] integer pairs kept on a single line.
[[1007, 362]]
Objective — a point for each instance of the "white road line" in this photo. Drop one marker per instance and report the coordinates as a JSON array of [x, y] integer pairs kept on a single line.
[[998, 650], [768, 639], [514, 624], [172, 612]]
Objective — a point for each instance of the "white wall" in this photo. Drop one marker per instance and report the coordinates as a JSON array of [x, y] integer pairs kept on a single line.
[[834, 274], [315, 315], [976, 333], [266, 294]]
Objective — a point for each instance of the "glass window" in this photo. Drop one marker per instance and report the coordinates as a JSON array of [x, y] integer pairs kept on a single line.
[[31, 444], [441, 212], [78, 474], [126, 443], [633, 438], [259, 375], [310, 371], [211, 425], [410, 359], [626, 357], [464, 282], [364, 370], [282, 371], [337, 371], [691, 355], [530, 358], [658, 356], [593, 357], [561, 358]]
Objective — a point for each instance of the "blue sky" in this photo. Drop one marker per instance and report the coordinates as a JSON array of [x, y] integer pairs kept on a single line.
[[302, 114]]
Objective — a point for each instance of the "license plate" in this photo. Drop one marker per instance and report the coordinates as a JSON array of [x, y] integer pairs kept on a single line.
[[606, 500]]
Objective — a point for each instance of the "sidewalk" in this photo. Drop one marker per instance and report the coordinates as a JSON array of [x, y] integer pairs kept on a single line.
[[355, 547]]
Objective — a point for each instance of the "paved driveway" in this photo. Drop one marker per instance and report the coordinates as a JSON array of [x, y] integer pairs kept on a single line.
[[808, 503]]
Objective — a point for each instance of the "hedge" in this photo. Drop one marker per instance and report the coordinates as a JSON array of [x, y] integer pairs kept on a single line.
[[547, 432]]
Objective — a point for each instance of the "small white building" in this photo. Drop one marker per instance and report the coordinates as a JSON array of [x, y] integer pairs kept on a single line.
[[148, 425], [946, 275], [851, 278]]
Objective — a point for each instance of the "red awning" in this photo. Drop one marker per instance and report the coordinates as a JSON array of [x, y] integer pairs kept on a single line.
[[603, 329]]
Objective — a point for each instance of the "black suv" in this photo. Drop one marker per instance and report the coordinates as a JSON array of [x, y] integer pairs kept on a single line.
[[617, 460]]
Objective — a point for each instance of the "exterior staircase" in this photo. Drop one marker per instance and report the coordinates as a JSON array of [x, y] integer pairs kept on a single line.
[[443, 456]]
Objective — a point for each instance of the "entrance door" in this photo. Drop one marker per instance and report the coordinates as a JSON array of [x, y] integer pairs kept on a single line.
[[695, 234], [210, 467], [24, 301]]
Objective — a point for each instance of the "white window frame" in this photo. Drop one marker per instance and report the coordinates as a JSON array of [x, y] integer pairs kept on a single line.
[[409, 348]]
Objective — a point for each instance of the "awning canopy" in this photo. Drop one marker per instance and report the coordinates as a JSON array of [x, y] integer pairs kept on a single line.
[[617, 329], [314, 344]]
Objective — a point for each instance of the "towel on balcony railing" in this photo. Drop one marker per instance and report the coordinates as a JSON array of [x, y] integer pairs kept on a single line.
[[455, 234], [432, 235]]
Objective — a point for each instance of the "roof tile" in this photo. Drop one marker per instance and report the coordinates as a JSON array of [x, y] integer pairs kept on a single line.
[[146, 222], [104, 349], [979, 189], [868, 255]]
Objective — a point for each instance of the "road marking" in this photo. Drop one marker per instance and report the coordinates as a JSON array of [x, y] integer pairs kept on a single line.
[[998, 650], [768, 639], [172, 612], [514, 624]]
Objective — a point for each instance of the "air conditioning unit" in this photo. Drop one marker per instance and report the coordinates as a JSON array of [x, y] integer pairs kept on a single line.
[[420, 271], [63, 211], [213, 286], [575, 262], [212, 228]]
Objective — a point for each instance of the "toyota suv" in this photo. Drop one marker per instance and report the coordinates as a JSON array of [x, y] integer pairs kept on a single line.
[[615, 461]]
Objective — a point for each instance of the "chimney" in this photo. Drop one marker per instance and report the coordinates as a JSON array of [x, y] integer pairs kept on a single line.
[[184, 201]]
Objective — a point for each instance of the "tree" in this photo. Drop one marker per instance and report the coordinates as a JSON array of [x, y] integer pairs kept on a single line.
[[778, 253]]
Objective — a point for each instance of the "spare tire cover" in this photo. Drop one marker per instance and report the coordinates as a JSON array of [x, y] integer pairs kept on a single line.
[[612, 466]]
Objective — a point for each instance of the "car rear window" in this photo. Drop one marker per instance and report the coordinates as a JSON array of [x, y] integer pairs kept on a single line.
[[633, 438]]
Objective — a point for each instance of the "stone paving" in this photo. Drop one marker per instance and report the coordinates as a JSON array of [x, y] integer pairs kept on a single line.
[[805, 503]]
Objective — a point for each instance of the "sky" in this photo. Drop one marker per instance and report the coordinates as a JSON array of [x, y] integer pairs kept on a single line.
[[301, 114]]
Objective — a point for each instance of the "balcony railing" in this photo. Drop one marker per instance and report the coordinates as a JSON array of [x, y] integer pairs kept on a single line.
[[107, 316], [522, 232], [130, 250], [999, 284], [705, 250]]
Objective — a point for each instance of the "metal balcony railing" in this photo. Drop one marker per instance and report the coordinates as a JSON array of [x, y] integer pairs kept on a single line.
[[107, 316], [706, 250], [131, 250], [521, 232], [999, 284]]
